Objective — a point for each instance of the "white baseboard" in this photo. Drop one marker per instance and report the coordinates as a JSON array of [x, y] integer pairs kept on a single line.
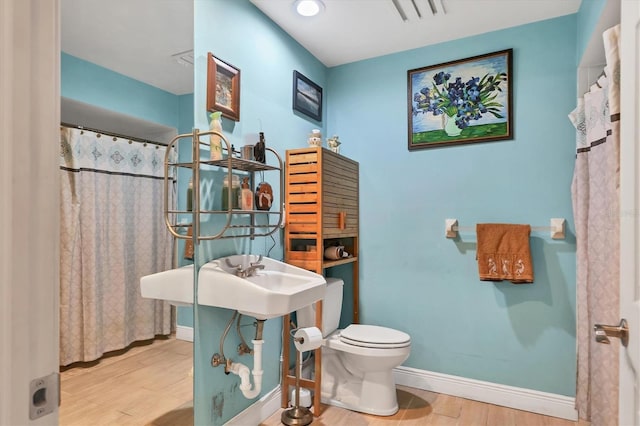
[[184, 333], [534, 401], [545, 403], [259, 411]]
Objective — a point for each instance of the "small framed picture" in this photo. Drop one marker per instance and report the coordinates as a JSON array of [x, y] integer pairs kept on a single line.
[[223, 88], [307, 97]]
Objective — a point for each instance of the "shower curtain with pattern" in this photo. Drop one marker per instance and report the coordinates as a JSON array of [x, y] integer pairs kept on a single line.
[[112, 232], [596, 210]]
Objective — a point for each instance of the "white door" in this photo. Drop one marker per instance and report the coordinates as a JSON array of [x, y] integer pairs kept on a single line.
[[29, 122], [629, 400]]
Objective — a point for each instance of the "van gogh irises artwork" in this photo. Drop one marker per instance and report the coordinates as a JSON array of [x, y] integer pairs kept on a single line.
[[462, 101]]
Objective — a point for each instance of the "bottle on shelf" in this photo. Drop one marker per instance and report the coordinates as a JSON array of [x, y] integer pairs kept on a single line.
[[237, 192], [188, 245], [234, 188], [247, 195], [190, 195], [264, 196], [215, 141], [259, 150]]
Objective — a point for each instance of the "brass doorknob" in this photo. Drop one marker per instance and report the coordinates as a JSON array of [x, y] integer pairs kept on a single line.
[[603, 332]]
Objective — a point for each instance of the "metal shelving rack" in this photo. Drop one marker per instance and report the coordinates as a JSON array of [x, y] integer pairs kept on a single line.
[[231, 164]]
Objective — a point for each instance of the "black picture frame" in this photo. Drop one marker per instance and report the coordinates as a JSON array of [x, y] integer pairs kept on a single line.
[[307, 97], [461, 102]]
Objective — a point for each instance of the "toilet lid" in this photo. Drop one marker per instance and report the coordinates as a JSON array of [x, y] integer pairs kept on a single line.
[[373, 336]]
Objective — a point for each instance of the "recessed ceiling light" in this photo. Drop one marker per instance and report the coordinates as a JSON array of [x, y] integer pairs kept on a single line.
[[308, 7]]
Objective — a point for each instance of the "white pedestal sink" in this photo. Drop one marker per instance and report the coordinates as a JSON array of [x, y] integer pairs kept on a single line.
[[174, 286], [274, 291]]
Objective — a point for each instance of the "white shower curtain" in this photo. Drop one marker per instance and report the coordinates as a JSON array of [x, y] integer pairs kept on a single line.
[[596, 210], [111, 233]]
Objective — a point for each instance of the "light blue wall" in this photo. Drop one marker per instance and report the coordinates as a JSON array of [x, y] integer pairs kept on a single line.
[[517, 335], [414, 279], [236, 32], [523, 335], [92, 84], [185, 113], [587, 18]]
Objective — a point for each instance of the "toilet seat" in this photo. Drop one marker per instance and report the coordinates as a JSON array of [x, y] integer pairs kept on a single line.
[[373, 336]]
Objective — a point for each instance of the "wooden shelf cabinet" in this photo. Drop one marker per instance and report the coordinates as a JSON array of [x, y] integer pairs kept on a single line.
[[321, 210]]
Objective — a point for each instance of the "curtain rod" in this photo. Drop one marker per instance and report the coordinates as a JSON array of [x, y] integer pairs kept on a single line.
[[115, 135], [602, 74]]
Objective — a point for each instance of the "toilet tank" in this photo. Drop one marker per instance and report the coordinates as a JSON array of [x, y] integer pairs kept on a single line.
[[331, 309]]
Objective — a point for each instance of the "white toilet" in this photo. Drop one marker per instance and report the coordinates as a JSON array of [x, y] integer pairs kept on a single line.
[[357, 362]]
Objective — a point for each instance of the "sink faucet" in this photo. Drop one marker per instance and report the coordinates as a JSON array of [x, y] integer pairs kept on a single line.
[[250, 271]]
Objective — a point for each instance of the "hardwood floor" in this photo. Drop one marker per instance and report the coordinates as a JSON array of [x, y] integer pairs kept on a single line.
[[424, 408], [150, 384]]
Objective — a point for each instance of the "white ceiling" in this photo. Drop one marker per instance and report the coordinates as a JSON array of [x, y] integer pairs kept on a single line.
[[352, 30], [137, 38]]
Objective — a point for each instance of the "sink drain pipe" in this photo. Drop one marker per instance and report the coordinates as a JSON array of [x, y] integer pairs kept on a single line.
[[242, 370]]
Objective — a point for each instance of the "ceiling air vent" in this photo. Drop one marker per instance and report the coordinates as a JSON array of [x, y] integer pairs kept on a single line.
[[410, 9], [184, 58]]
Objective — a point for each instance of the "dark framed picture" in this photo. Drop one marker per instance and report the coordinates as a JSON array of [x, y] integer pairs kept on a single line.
[[307, 96], [459, 102], [223, 88]]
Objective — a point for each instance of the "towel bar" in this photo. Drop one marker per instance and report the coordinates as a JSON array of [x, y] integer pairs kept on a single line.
[[556, 228]]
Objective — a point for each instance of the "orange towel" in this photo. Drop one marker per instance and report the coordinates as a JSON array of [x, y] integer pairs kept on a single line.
[[504, 252]]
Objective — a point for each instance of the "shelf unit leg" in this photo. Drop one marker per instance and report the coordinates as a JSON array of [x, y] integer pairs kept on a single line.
[[287, 379], [286, 358], [317, 405]]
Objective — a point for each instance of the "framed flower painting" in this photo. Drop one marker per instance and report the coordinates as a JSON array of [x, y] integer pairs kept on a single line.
[[463, 101]]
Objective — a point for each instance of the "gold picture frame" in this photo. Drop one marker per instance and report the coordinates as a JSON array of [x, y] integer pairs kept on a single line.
[[223, 88]]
